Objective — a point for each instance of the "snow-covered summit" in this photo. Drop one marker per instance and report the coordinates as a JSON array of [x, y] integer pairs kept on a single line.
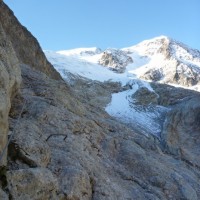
[[162, 45], [168, 61], [150, 47], [160, 59]]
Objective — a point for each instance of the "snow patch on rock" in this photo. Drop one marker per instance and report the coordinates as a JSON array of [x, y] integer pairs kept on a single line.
[[143, 118]]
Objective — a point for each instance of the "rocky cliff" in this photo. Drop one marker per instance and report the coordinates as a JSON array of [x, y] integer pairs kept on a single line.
[[66, 146], [26, 47], [10, 79]]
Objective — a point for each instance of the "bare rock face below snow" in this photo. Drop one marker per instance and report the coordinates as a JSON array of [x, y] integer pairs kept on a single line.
[[66, 146], [116, 60], [169, 96], [94, 93], [182, 130], [180, 74], [143, 96], [190, 80], [153, 75]]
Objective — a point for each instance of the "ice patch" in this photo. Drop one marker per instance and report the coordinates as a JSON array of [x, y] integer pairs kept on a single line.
[[140, 118]]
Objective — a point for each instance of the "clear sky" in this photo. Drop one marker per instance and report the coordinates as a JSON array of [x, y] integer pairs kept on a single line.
[[67, 24]]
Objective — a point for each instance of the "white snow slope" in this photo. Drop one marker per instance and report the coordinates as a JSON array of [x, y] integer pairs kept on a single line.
[[149, 54]]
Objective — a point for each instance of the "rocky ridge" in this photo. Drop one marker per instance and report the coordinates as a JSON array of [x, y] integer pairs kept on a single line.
[[65, 145], [178, 64], [116, 60]]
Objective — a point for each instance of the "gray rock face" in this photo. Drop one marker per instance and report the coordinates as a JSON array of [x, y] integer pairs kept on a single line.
[[143, 96], [181, 131], [75, 184], [35, 183], [3, 195], [169, 95], [94, 93], [154, 75], [33, 151], [116, 60], [186, 80], [10, 79]]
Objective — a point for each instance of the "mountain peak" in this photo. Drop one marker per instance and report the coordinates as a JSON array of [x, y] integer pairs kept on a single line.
[[154, 46], [158, 38], [159, 59]]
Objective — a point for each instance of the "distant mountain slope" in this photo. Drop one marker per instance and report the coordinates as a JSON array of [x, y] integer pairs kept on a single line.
[[168, 61], [160, 59]]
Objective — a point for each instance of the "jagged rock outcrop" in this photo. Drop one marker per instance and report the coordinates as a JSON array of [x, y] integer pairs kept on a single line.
[[144, 96], [116, 60], [153, 75], [66, 146], [91, 51], [178, 64], [186, 75]]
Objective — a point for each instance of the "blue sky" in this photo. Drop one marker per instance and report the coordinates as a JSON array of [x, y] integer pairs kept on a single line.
[[67, 24]]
